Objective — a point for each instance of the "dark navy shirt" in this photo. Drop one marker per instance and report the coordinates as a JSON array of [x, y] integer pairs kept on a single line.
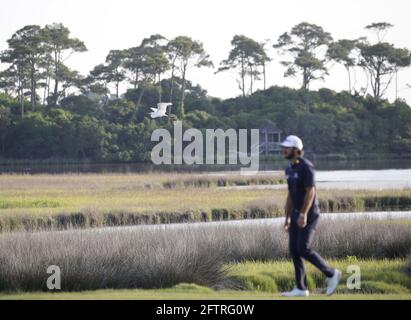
[[301, 175]]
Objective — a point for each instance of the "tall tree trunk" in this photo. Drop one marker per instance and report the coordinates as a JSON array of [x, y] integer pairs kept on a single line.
[[251, 80], [44, 93], [56, 86], [46, 90], [172, 81], [377, 86], [159, 88], [378, 81], [172, 88], [243, 76], [56, 75], [349, 79], [183, 89], [140, 97], [306, 89], [32, 87], [305, 79], [136, 79], [307, 99], [21, 100]]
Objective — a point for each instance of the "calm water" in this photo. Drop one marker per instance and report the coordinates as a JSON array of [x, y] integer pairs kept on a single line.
[[365, 179], [350, 179], [358, 174], [321, 165], [378, 215]]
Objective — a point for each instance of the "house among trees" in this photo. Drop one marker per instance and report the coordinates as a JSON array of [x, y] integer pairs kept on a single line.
[[270, 140]]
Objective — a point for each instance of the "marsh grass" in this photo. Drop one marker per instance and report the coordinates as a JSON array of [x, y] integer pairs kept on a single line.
[[207, 181], [152, 257], [64, 201], [149, 207], [132, 181], [28, 203]]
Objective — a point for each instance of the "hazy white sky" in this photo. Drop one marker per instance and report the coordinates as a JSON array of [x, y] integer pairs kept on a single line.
[[106, 24]]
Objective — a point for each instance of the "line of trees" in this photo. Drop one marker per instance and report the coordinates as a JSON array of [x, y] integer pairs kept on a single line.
[[36, 59], [308, 50]]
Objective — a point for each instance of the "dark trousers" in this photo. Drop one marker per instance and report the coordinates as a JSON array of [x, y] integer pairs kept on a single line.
[[300, 241]]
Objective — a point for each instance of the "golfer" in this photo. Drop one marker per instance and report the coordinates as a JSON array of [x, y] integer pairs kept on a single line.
[[302, 214]]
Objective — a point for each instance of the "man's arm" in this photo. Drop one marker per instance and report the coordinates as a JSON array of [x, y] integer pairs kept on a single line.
[[288, 206], [288, 209], [309, 185], [308, 201]]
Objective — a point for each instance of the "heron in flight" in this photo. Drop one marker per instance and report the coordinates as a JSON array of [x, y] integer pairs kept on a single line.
[[160, 111]]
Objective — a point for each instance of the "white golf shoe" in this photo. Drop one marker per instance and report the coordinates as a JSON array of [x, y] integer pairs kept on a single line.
[[332, 282], [296, 293]]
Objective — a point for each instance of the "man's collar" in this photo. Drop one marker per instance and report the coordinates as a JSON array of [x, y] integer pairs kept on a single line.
[[295, 161]]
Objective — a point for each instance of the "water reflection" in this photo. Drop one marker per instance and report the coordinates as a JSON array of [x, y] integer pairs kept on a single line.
[[148, 167]]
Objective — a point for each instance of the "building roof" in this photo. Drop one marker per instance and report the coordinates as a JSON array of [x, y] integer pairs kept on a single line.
[[270, 129]]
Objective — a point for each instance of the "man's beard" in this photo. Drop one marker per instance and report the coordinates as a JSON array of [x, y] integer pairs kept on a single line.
[[290, 156]]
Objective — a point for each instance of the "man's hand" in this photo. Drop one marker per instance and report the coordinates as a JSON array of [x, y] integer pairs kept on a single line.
[[302, 220], [287, 224]]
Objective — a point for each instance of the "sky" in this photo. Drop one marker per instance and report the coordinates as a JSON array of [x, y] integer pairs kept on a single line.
[[105, 25]]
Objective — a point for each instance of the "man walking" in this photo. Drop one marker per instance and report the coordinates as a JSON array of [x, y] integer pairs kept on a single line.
[[302, 214]]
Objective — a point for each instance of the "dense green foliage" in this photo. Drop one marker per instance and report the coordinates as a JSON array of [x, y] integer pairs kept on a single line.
[[335, 123], [119, 131]]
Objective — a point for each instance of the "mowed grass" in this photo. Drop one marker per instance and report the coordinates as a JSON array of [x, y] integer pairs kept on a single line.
[[377, 276], [176, 294], [381, 279]]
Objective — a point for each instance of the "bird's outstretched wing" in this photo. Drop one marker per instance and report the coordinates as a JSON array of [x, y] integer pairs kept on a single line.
[[154, 109], [162, 107]]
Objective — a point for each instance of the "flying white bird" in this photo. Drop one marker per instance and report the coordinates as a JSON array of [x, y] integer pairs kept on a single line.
[[160, 111]]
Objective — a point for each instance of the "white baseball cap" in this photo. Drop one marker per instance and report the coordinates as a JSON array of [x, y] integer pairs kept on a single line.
[[292, 142]]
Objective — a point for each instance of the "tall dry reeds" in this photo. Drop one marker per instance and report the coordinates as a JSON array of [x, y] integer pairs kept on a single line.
[[153, 257]]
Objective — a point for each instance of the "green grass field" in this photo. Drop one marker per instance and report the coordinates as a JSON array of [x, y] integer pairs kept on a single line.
[[377, 276], [380, 279], [177, 294]]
